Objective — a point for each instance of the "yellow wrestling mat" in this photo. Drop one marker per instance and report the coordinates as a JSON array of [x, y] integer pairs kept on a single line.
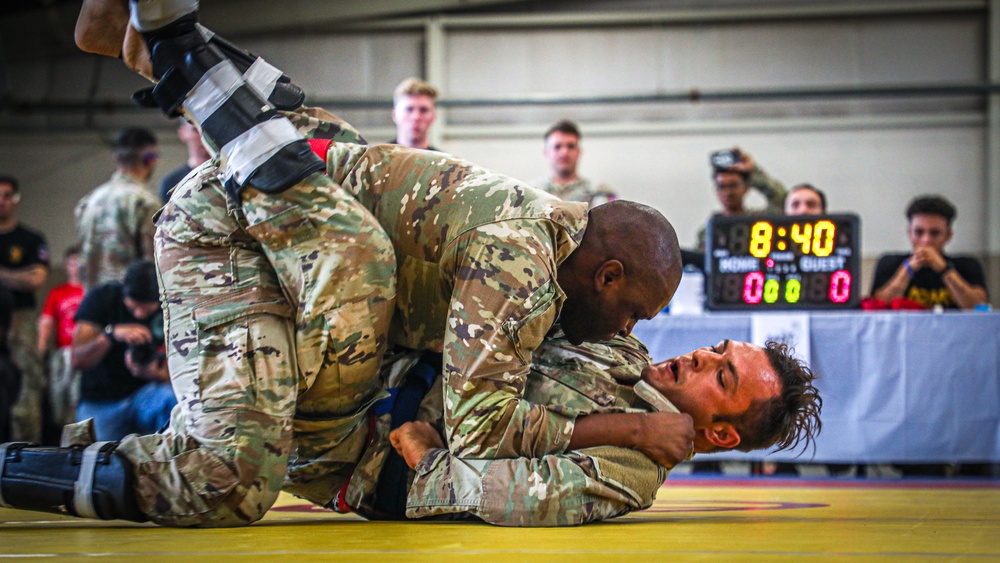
[[692, 520]]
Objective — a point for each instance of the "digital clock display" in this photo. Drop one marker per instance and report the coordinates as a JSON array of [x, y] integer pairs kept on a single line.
[[783, 262]]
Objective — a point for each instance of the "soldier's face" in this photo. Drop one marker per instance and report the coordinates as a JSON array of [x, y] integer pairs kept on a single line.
[[562, 150], [413, 116], [613, 308], [718, 381]]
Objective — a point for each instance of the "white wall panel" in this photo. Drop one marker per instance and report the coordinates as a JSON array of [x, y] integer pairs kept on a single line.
[[629, 60], [348, 65]]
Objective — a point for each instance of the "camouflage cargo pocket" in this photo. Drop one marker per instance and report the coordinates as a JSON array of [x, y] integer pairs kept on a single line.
[[246, 355], [526, 329], [340, 360]]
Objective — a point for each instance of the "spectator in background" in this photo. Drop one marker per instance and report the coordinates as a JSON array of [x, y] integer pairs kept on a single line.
[[115, 221], [928, 275], [197, 154], [562, 151], [805, 199], [734, 172], [55, 335], [119, 346], [24, 266], [10, 376], [414, 111]]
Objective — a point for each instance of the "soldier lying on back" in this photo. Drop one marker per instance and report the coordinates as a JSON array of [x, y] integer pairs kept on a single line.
[[737, 395]]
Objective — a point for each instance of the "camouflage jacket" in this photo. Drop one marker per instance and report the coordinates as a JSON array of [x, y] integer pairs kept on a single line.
[[115, 226], [553, 490], [477, 254], [582, 189]]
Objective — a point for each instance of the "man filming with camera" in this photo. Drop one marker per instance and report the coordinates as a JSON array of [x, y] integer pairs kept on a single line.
[[119, 347], [734, 173]]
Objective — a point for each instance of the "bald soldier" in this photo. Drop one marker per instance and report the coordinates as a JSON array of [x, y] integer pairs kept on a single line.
[[284, 286]]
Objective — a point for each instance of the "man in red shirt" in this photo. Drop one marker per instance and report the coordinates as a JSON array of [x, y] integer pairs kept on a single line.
[[55, 326]]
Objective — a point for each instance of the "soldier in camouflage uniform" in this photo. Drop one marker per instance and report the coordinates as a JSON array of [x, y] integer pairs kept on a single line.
[[280, 282], [562, 150], [115, 220], [593, 484]]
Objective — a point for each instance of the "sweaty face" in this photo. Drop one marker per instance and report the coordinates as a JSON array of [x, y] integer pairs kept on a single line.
[[722, 380], [601, 315], [562, 150], [929, 230], [803, 202], [413, 116], [730, 189]]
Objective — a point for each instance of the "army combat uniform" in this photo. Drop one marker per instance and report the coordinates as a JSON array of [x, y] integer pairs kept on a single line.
[[115, 226], [278, 308], [566, 489], [581, 189]]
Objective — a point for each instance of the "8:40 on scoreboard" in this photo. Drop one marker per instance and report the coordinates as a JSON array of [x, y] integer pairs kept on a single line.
[[772, 262]]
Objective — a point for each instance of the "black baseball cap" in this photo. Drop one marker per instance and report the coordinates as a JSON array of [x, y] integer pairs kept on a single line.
[[141, 283]]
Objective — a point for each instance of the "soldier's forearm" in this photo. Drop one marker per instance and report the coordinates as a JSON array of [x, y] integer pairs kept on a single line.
[[610, 429]]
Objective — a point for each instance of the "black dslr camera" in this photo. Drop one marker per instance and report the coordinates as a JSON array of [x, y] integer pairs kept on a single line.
[[725, 159], [145, 354]]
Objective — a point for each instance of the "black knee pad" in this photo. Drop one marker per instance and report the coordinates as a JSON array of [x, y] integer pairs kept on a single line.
[[90, 482]]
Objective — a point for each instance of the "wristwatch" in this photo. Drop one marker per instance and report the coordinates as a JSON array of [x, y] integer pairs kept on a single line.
[[109, 331]]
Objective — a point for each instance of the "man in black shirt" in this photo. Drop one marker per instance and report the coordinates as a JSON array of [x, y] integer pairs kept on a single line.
[[119, 346], [24, 265], [927, 275]]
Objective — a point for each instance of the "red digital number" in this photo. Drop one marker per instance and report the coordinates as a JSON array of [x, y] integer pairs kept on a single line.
[[753, 288], [840, 286]]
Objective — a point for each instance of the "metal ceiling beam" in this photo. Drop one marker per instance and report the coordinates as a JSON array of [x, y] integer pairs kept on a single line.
[[264, 16]]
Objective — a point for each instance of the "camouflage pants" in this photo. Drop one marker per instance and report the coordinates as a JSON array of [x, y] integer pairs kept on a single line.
[[64, 387], [276, 312], [26, 414]]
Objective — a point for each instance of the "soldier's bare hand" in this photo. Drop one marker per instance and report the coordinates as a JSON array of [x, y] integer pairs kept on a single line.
[[413, 439], [667, 438]]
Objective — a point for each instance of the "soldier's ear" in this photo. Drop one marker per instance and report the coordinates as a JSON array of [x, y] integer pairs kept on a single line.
[[718, 435], [609, 275]]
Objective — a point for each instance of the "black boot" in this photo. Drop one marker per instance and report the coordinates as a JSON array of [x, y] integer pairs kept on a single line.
[[90, 482], [271, 82], [261, 147], [280, 91]]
